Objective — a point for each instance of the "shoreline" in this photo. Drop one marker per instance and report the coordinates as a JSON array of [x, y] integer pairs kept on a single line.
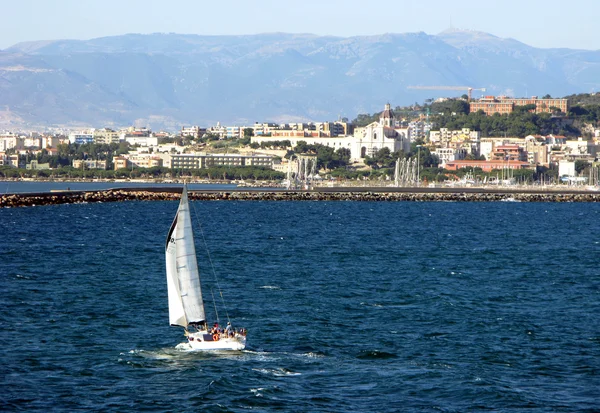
[[322, 194]]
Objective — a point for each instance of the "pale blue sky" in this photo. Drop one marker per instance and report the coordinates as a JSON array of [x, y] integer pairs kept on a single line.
[[540, 23]]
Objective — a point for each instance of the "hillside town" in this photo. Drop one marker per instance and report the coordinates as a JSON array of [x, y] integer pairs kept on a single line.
[[267, 145]]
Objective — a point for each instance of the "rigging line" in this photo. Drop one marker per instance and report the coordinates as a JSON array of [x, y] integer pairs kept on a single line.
[[215, 305], [212, 267]]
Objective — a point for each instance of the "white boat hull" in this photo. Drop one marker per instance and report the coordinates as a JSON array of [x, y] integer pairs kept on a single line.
[[203, 341]]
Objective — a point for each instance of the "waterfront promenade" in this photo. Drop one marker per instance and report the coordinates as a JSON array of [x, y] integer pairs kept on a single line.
[[422, 194]]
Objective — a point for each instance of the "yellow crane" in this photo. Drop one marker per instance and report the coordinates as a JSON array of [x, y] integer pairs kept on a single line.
[[467, 88]]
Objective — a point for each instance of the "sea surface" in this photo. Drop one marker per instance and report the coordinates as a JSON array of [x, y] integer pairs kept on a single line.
[[350, 307]]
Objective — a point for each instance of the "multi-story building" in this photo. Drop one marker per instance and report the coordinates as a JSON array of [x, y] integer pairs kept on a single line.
[[581, 147], [508, 153], [504, 105], [51, 141], [491, 105], [234, 132], [194, 131], [106, 136], [419, 129], [446, 136], [33, 142], [142, 140], [81, 137], [296, 136], [263, 129], [9, 160], [200, 161], [486, 166], [89, 164], [537, 150], [446, 155], [137, 160]]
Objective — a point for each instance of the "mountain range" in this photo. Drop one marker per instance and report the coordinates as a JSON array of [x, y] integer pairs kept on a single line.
[[165, 81]]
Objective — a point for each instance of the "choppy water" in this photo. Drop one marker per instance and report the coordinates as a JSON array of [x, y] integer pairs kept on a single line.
[[350, 307]]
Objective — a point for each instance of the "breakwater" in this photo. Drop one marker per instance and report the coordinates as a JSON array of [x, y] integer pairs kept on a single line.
[[406, 194]]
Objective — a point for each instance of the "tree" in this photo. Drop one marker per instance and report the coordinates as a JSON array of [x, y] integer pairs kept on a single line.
[[580, 165]]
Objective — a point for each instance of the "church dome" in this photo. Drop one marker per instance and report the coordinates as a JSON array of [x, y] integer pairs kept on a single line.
[[388, 113]]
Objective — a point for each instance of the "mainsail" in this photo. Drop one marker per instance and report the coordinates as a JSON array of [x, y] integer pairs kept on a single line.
[[183, 280]]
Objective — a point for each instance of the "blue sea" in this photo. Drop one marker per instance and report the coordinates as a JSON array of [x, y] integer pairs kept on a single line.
[[349, 306]]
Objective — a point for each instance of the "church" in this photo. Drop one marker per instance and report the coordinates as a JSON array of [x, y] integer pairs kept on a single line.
[[378, 135]]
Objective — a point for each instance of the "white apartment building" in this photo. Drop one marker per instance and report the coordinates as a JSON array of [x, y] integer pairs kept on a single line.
[[81, 137], [10, 141], [449, 155], [445, 136], [144, 141]]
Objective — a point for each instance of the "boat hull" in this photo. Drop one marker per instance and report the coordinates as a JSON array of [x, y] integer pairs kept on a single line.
[[197, 341]]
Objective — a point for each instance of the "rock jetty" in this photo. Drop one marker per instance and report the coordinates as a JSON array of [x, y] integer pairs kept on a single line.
[[162, 194]]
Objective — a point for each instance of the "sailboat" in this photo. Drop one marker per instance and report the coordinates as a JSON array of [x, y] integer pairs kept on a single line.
[[186, 307]]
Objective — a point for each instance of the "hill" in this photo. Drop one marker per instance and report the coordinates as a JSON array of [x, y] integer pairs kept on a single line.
[[169, 80]]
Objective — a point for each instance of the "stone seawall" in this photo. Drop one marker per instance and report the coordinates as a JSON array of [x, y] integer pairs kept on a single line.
[[117, 195]]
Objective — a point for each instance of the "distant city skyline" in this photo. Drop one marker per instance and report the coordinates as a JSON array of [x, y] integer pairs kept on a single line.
[[545, 24]]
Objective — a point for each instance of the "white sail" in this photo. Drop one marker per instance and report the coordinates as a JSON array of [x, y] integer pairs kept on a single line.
[[183, 280]]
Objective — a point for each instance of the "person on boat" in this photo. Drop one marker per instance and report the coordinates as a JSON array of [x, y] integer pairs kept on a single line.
[[229, 330], [215, 328]]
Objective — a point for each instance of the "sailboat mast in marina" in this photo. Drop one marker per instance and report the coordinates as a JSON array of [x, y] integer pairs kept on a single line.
[[186, 307]]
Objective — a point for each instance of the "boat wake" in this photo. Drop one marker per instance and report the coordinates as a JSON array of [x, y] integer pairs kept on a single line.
[[279, 372]]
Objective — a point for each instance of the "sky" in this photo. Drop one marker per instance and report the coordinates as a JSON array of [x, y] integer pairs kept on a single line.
[[540, 23]]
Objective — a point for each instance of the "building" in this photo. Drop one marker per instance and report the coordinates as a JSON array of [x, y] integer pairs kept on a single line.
[[379, 135], [446, 155], [195, 132], [51, 141], [487, 146], [504, 105], [365, 141], [142, 140], [81, 137], [34, 165], [263, 129], [234, 132], [10, 141], [146, 160], [106, 136], [89, 164], [508, 153], [581, 147], [486, 166], [537, 150], [300, 136], [33, 142], [446, 136], [9, 160], [200, 161]]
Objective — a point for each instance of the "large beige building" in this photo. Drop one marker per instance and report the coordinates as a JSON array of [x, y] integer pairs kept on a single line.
[[504, 105]]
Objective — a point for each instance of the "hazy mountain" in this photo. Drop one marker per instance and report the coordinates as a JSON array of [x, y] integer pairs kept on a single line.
[[168, 80]]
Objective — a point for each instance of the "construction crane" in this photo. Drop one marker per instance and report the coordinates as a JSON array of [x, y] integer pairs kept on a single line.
[[467, 88]]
